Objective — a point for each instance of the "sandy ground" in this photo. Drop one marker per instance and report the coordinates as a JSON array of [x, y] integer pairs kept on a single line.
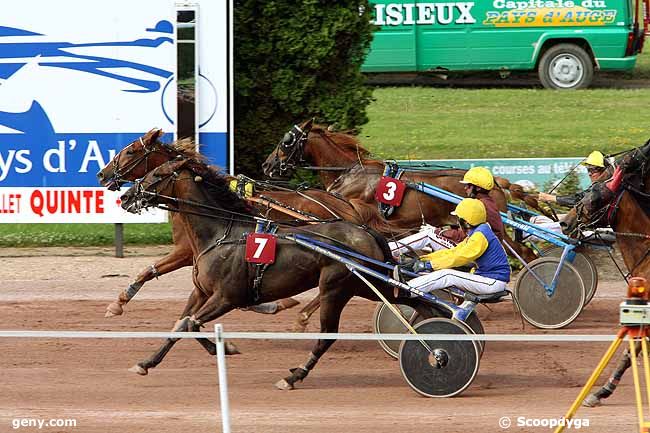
[[356, 387]]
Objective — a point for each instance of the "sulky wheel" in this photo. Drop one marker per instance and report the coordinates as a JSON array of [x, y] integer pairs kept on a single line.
[[385, 322], [542, 310], [585, 267], [444, 368], [472, 321]]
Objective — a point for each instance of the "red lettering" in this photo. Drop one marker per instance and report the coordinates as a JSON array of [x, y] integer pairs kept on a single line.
[[74, 202], [65, 201], [10, 203], [99, 201]]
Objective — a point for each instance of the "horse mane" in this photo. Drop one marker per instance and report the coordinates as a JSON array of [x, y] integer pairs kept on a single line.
[[345, 142], [188, 148], [217, 185]]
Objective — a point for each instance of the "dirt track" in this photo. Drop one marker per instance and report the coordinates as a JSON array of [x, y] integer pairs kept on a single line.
[[355, 388]]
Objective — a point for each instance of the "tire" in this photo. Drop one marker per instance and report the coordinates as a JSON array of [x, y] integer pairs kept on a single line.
[[439, 368], [566, 67], [585, 267], [546, 311]]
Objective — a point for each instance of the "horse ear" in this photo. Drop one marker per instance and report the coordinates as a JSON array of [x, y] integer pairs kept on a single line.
[[308, 124], [152, 135], [157, 133]]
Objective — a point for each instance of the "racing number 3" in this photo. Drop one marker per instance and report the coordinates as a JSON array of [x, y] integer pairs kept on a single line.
[[390, 191], [260, 248]]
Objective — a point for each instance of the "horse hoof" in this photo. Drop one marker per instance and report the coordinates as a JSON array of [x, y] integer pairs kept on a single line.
[[591, 401], [114, 309], [299, 326], [231, 349], [137, 368], [283, 385]]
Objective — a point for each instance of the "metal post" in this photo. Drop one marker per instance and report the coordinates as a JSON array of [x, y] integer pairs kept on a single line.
[[223, 382], [119, 240]]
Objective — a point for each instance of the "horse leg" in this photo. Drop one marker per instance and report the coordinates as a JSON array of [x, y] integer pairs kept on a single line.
[[302, 320], [595, 399], [330, 316], [178, 258], [274, 307], [196, 302]]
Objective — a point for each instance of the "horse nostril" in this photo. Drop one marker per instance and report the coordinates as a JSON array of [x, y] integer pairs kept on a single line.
[[100, 175]]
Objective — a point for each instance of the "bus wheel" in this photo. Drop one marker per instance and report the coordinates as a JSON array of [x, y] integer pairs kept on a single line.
[[566, 67]]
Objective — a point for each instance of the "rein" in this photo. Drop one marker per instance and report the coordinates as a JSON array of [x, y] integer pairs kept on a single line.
[[118, 174]]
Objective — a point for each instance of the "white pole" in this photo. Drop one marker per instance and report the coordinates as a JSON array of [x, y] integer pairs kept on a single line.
[[223, 382]]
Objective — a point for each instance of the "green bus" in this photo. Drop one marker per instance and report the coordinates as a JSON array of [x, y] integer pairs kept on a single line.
[[564, 40]]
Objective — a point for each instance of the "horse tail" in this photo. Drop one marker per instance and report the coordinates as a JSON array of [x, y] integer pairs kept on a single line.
[[383, 245], [517, 192], [502, 182], [371, 218]]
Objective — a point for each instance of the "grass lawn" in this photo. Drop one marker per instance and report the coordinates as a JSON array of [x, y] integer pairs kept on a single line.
[[428, 123], [35, 235]]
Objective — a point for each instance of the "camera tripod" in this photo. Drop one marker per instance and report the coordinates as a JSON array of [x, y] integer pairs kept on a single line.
[[633, 333]]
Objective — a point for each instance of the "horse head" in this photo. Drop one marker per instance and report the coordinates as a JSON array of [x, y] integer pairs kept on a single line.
[[289, 153], [133, 161], [155, 188], [600, 202]]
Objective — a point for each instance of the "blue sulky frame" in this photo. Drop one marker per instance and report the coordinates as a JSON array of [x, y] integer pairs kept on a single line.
[[567, 244], [344, 256]]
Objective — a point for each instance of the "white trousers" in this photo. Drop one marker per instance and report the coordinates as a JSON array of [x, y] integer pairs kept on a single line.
[[444, 278], [547, 223], [425, 238]]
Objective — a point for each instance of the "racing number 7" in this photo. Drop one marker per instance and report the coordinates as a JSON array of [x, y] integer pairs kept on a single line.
[[260, 248]]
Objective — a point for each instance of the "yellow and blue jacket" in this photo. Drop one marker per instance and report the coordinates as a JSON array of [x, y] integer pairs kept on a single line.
[[482, 248]]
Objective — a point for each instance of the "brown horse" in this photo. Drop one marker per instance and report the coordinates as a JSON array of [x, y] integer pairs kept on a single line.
[[147, 152], [626, 210], [346, 169], [223, 278]]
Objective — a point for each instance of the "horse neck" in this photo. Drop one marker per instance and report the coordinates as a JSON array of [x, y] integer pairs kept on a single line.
[[203, 231], [323, 153], [631, 218]]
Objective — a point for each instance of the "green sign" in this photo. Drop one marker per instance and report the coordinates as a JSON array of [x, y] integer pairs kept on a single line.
[[531, 173]]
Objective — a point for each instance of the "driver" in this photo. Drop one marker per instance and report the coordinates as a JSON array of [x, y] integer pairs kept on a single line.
[[480, 248], [597, 168], [478, 183]]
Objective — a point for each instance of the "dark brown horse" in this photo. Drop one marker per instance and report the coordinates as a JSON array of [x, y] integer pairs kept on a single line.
[[222, 277], [346, 169], [147, 153], [626, 209]]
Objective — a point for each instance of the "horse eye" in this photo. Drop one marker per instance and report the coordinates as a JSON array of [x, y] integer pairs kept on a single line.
[[129, 152]]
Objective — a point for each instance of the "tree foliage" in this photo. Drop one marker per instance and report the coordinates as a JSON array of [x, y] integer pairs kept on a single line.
[[294, 60]]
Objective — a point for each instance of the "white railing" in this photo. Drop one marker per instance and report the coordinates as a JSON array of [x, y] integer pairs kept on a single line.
[[221, 336]]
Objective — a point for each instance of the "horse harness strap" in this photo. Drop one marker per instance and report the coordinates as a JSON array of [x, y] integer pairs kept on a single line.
[[391, 170], [261, 227]]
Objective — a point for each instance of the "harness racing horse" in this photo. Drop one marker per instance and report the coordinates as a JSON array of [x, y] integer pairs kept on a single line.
[[223, 278], [624, 205], [147, 153], [344, 168]]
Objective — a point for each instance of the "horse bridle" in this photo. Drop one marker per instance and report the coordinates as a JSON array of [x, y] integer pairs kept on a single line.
[[120, 172], [293, 146]]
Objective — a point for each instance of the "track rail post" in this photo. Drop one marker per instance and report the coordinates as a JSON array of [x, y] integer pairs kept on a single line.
[[223, 381]]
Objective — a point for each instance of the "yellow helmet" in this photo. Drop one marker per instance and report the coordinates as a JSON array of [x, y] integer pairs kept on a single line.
[[596, 159], [471, 210], [479, 176]]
